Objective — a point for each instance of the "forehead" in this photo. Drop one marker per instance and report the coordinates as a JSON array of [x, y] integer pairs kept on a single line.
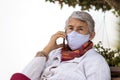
[[77, 22]]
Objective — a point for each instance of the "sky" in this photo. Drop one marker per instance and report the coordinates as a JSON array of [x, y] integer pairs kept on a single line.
[[27, 25]]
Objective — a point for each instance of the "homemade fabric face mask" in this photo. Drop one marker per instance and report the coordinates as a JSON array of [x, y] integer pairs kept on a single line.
[[75, 40]]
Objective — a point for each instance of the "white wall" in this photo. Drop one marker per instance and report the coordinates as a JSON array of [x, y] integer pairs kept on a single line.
[[26, 26]]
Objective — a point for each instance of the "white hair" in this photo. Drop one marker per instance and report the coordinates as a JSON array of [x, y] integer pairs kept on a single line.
[[84, 16]]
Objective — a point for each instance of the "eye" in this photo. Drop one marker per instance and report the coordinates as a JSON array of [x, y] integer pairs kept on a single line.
[[80, 29], [70, 28]]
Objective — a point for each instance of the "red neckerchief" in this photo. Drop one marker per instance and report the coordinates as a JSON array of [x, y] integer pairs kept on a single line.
[[69, 55]]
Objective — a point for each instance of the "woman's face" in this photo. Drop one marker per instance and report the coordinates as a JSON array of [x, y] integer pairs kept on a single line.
[[78, 26]]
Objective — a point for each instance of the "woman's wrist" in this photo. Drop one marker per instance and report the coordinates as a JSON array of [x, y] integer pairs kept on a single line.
[[47, 49], [41, 54]]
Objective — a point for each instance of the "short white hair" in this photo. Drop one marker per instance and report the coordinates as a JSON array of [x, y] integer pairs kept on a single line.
[[84, 16]]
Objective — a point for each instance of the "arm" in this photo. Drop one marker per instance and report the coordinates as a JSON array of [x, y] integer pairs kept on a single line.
[[35, 68], [52, 44], [98, 70]]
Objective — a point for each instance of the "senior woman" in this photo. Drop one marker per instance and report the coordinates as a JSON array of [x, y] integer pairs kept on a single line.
[[76, 60]]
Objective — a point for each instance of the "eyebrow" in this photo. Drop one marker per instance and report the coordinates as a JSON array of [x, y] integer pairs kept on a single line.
[[77, 26], [70, 26], [80, 27]]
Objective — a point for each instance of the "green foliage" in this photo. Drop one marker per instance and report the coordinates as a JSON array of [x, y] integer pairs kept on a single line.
[[111, 56], [87, 4]]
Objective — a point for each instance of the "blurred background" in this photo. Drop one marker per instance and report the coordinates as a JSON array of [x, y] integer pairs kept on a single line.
[[27, 25]]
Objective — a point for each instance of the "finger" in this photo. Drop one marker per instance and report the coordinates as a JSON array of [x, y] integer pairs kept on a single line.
[[58, 35], [61, 33], [60, 45]]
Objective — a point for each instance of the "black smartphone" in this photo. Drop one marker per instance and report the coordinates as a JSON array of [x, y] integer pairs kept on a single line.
[[64, 41]]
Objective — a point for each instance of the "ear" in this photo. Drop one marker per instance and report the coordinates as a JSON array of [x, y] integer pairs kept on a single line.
[[92, 35]]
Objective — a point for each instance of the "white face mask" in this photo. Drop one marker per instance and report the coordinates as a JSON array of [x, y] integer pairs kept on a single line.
[[75, 40]]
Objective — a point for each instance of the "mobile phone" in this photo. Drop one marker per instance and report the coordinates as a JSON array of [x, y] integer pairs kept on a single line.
[[64, 42]]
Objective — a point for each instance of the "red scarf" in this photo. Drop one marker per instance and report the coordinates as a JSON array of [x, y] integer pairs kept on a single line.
[[69, 55]]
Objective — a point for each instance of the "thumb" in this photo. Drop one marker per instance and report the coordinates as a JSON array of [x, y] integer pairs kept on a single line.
[[60, 45]]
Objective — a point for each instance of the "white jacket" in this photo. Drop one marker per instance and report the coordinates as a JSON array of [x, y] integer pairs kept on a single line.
[[90, 66]]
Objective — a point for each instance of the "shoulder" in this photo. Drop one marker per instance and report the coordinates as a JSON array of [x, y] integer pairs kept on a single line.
[[55, 52], [54, 55], [93, 58], [93, 55], [96, 65]]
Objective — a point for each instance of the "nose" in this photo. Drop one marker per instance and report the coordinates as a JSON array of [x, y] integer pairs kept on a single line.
[[75, 29], [73, 34]]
